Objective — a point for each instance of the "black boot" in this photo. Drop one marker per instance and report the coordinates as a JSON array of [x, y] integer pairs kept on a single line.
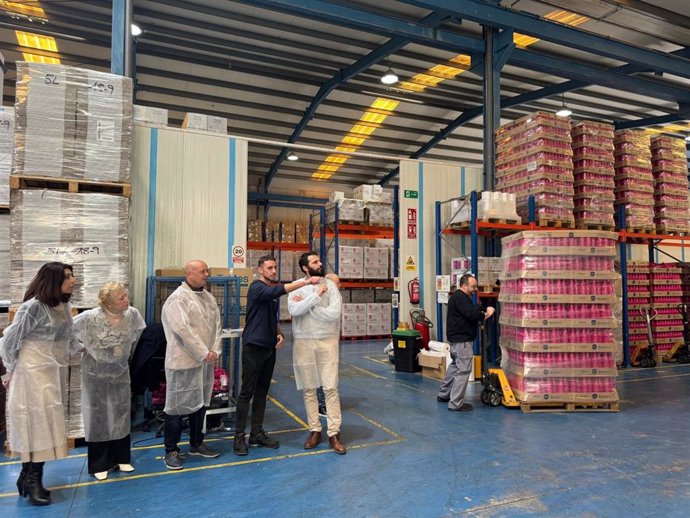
[[33, 483], [21, 481], [44, 492]]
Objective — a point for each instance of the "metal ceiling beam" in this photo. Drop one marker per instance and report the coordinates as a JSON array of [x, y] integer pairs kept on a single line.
[[377, 24], [491, 14], [682, 115]]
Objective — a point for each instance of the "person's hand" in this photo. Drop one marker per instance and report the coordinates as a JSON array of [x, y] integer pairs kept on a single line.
[[6, 380], [281, 340], [297, 298], [314, 280], [323, 288], [490, 311], [211, 357]]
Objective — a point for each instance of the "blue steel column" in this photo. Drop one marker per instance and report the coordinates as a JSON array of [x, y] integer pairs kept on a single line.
[[336, 266], [474, 250], [396, 248], [322, 239], [624, 281], [121, 38], [439, 270], [492, 106]]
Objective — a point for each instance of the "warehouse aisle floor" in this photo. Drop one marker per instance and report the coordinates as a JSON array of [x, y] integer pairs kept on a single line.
[[409, 457]]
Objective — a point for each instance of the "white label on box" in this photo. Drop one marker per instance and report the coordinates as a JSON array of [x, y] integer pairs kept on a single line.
[[442, 297], [532, 166], [105, 131]]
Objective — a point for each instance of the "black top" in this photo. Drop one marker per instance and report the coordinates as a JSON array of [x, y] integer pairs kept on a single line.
[[261, 327], [462, 318]]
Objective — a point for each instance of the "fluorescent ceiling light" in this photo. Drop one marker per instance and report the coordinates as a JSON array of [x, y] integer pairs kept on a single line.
[[136, 30], [390, 77], [564, 111], [292, 157]]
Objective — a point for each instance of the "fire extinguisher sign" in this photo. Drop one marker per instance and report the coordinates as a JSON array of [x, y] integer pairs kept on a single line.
[[411, 223]]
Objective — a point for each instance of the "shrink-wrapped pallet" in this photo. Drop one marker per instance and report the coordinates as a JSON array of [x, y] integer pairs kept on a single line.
[[5, 259], [72, 123], [6, 146], [88, 231], [634, 180], [670, 171]]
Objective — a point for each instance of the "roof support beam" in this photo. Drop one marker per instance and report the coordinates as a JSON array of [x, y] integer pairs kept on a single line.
[[488, 13], [682, 114]]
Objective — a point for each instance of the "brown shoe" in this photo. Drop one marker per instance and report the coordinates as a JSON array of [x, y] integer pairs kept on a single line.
[[337, 446], [312, 441]]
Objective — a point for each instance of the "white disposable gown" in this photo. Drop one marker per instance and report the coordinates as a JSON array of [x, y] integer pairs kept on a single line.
[[192, 326], [316, 330], [36, 349], [105, 382]]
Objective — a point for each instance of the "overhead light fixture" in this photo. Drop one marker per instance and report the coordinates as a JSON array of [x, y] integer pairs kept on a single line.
[[564, 111], [136, 30], [687, 138], [390, 77], [292, 157]]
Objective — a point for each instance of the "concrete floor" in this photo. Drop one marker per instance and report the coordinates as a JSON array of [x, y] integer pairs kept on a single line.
[[408, 457]]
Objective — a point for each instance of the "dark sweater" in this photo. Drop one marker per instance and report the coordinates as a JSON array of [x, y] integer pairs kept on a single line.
[[261, 327], [462, 318]]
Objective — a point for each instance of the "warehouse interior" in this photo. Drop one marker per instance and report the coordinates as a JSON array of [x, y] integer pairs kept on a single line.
[[537, 144]]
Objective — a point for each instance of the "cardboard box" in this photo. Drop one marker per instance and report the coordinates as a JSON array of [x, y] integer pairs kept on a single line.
[[220, 271], [151, 116], [197, 121], [169, 272], [246, 276], [433, 364], [217, 124]]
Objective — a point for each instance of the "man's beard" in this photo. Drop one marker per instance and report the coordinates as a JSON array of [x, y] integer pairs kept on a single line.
[[315, 273]]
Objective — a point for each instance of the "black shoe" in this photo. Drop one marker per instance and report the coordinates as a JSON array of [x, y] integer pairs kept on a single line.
[[173, 461], [21, 481], [239, 446], [262, 439], [465, 407], [32, 485], [203, 451], [442, 399]]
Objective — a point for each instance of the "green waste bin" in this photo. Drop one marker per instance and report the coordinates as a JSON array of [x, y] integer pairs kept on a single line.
[[406, 346]]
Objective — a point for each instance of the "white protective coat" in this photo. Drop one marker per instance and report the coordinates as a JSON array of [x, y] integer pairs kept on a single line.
[[36, 349], [315, 329], [105, 381], [192, 325]]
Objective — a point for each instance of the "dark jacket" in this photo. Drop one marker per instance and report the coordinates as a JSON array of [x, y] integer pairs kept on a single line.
[[261, 327], [462, 318]]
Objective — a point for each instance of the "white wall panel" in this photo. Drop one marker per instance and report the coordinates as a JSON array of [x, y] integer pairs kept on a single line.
[[434, 181], [189, 201]]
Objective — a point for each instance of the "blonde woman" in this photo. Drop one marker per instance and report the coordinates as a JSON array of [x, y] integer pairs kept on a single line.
[[108, 334]]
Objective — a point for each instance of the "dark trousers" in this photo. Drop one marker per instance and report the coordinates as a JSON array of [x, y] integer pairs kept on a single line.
[[173, 430], [104, 455], [257, 369]]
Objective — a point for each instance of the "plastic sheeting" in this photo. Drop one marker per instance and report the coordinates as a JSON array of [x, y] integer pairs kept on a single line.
[[88, 231], [72, 123], [6, 145], [4, 259]]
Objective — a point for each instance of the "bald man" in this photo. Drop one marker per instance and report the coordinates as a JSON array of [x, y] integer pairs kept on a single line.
[[192, 325]]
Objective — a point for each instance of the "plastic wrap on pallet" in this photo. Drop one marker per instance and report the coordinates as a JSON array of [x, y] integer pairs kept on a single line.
[[379, 214], [255, 230], [72, 123], [566, 390], [348, 210], [350, 262], [88, 231], [490, 205], [5, 259], [670, 171], [376, 263], [301, 233], [6, 146], [353, 321]]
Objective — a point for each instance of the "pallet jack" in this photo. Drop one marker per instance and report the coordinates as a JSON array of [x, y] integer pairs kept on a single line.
[[680, 351], [496, 389], [645, 355]]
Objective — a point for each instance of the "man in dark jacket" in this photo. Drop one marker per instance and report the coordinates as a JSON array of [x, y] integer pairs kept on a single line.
[[461, 329], [260, 340]]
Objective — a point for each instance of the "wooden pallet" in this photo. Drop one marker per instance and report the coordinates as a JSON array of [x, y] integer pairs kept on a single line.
[[349, 222], [554, 223], [490, 288], [70, 185], [75, 442], [465, 225], [671, 232], [580, 225], [589, 406], [640, 230]]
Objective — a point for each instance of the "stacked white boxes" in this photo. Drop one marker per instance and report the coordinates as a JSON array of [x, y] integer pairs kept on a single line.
[[202, 122], [6, 146], [354, 320], [376, 263], [348, 210], [379, 214], [72, 123], [350, 261], [378, 319], [488, 269], [286, 266], [88, 231], [150, 116], [4, 260]]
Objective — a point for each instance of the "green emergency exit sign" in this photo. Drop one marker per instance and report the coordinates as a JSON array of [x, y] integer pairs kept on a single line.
[[411, 194]]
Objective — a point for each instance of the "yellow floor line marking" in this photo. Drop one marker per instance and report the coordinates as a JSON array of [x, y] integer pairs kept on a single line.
[[654, 378], [365, 371], [382, 362], [396, 439], [288, 412]]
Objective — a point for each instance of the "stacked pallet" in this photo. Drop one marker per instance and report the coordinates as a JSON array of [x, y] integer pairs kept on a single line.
[[639, 300], [667, 294], [6, 145], [534, 158], [557, 342], [593, 173], [670, 170], [634, 180]]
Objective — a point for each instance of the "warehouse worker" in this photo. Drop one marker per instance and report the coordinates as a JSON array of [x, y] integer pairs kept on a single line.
[[192, 326], [319, 391], [260, 340], [316, 312], [462, 320]]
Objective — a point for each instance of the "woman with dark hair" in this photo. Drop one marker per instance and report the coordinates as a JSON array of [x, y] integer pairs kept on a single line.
[[35, 350]]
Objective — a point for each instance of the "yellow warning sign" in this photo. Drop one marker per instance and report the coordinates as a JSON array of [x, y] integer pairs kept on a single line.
[[402, 344], [410, 264]]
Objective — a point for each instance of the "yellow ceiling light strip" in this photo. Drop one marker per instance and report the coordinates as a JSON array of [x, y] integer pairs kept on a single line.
[[36, 41], [381, 108], [22, 8], [35, 58]]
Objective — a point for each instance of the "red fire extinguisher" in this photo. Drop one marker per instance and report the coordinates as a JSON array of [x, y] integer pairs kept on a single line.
[[413, 290], [422, 324]]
